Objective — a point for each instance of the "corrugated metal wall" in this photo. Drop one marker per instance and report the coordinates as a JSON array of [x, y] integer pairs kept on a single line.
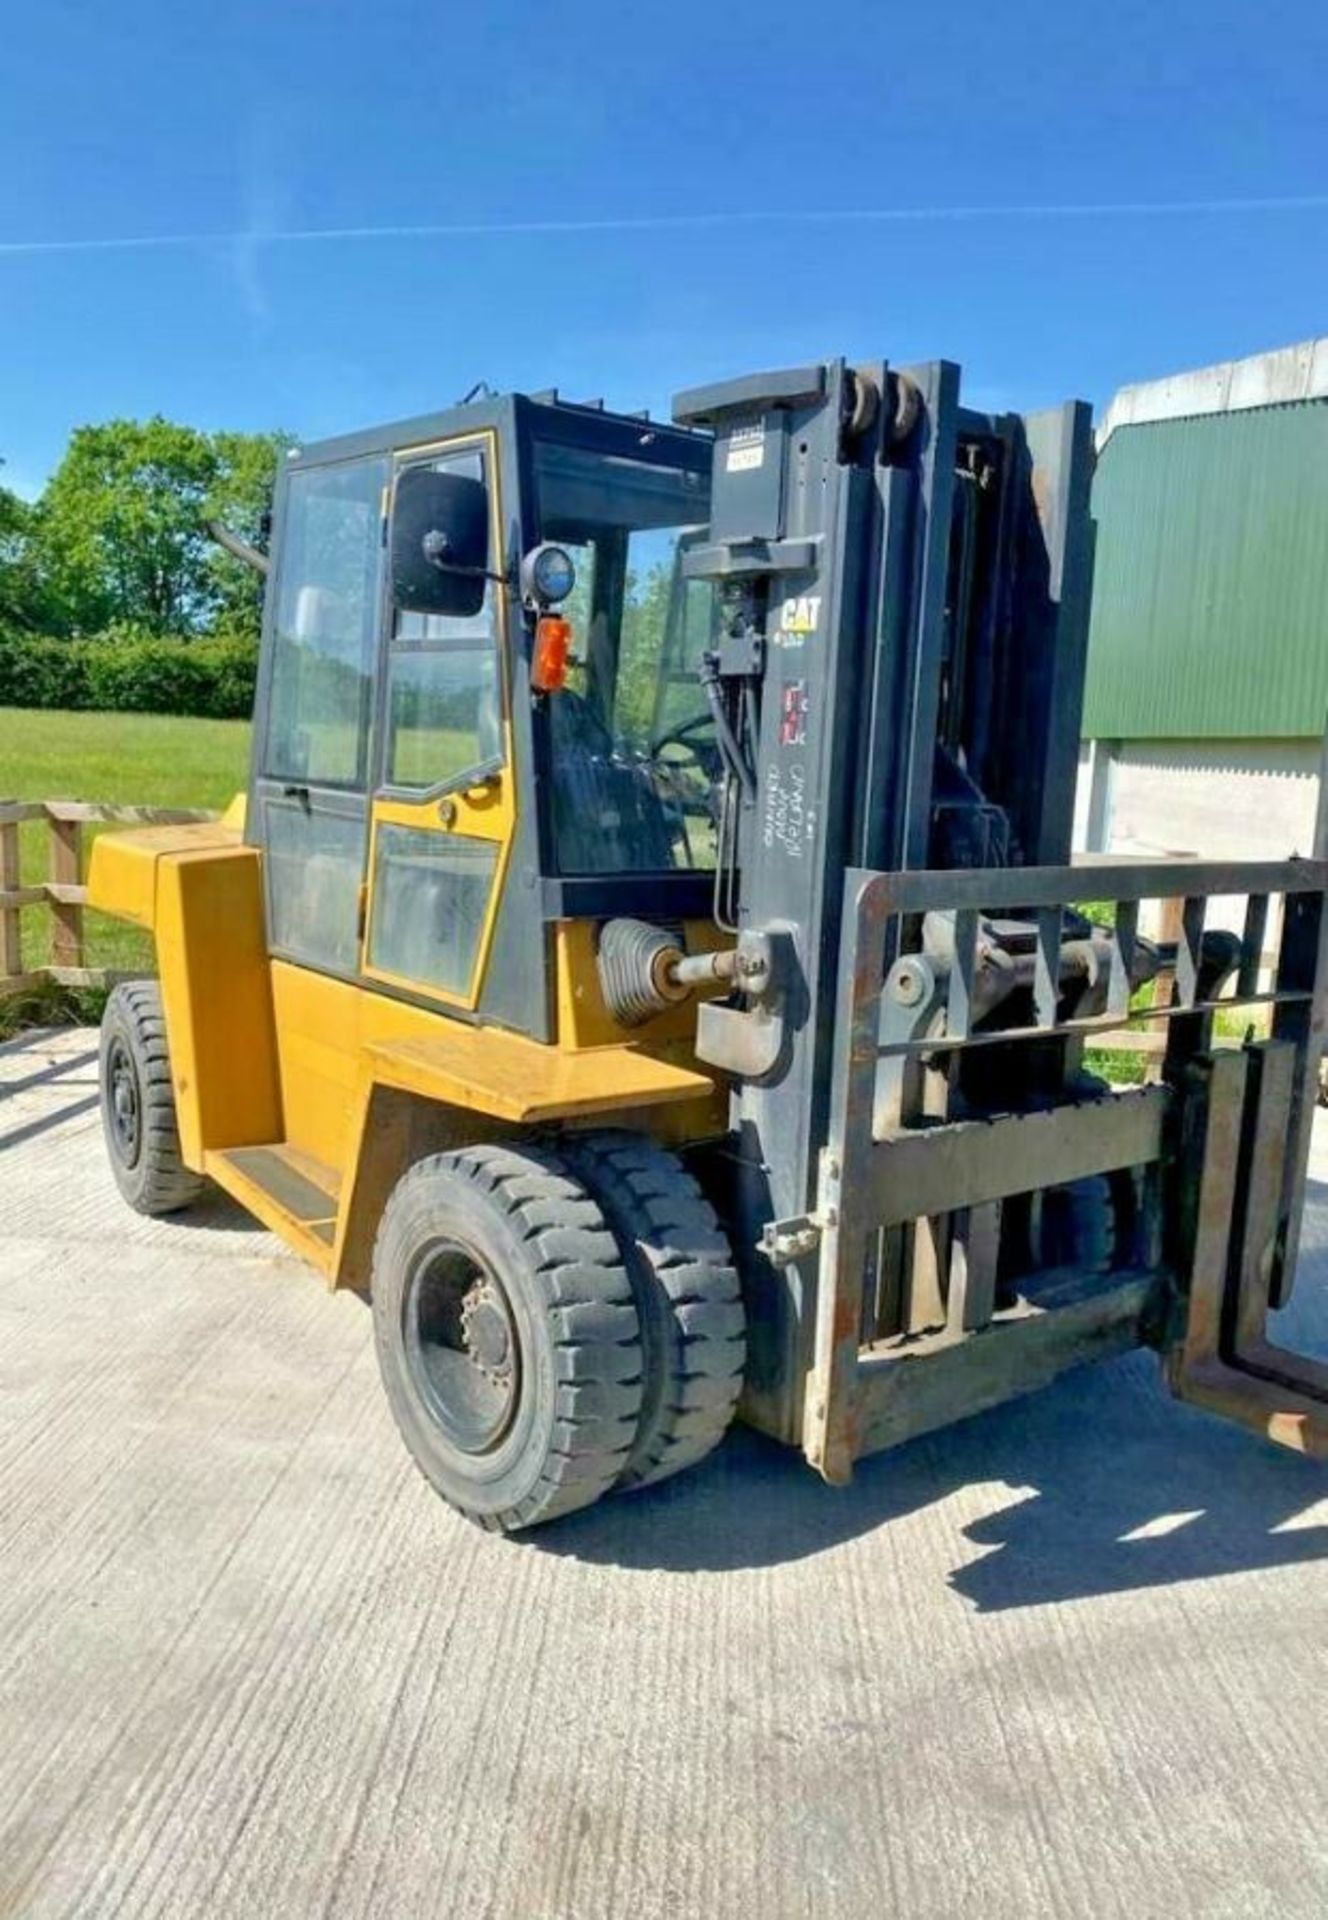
[[1210, 596]]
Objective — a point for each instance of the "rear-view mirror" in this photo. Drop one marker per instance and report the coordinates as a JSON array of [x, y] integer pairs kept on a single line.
[[440, 542]]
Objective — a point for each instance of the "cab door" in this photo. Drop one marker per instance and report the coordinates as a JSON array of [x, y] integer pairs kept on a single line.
[[443, 809], [313, 752]]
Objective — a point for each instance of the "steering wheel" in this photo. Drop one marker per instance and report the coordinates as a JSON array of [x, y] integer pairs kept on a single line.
[[706, 753], [703, 802], [679, 736]]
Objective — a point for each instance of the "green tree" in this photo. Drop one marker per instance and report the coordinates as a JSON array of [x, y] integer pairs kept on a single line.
[[20, 598], [121, 534], [241, 498], [645, 624]]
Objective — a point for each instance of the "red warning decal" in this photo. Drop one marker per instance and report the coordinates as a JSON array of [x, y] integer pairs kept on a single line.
[[793, 714]]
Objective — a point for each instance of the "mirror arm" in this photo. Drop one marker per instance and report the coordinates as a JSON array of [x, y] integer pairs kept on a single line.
[[472, 573], [435, 546], [239, 548]]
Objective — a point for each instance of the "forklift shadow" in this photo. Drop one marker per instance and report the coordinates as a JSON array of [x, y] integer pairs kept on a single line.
[[1100, 1484], [40, 1089]]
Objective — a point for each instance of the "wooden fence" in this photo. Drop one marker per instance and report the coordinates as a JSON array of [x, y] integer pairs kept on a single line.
[[65, 895], [62, 892]]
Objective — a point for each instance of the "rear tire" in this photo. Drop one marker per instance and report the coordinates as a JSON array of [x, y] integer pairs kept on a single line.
[[681, 1267], [138, 1103], [507, 1335], [1077, 1226]]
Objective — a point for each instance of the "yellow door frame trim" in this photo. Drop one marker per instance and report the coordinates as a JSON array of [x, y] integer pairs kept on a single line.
[[486, 809]]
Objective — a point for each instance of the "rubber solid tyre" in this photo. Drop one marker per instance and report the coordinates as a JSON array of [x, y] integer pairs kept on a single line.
[[681, 1267], [1078, 1224], [531, 1232], [138, 1103]]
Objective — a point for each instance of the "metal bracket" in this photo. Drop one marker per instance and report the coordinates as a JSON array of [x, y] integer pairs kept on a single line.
[[913, 995], [729, 559], [748, 1041], [783, 1241], [741, 656], [744, 1041]]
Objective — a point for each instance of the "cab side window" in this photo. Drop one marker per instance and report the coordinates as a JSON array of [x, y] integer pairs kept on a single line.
[[315, 751], [444, 692], [320, 701]]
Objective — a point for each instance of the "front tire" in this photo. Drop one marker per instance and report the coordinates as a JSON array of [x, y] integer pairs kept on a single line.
[[687, 1293], [138, 1103], [507, 1335]]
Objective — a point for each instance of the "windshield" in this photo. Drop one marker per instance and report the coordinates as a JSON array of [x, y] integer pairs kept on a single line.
[[635, 769]]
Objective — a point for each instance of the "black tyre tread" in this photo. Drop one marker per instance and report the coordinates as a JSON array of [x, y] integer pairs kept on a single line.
[[688, 1296], [1079, 1222], [1078, 1225], [164, 1183], [1093, 1217], [592, 1317]]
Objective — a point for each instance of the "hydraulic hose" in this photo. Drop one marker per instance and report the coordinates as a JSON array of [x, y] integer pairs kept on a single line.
[[727, 741]]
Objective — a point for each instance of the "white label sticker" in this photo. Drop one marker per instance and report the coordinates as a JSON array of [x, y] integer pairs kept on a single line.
[[788, 820], [746, 450]]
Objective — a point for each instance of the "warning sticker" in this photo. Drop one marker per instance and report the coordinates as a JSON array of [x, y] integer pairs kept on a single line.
[[793, 714], [746, 450]]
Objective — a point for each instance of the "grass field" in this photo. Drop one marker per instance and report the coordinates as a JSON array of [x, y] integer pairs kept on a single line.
[[152, 760], [132, 759]]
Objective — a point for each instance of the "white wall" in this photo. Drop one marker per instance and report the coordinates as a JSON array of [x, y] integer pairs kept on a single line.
[[1222, 799], [1080, 841], [1219, 799]]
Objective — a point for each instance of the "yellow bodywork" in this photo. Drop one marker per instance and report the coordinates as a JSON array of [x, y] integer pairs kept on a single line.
[[306, 1096]]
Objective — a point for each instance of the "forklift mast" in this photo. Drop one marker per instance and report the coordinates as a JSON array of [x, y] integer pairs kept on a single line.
[[903, 587]]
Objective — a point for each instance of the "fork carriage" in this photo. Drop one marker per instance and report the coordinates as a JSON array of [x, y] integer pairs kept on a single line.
[[932, 1201]]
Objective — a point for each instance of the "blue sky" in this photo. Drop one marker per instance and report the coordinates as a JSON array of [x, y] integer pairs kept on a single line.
[[672, 166]]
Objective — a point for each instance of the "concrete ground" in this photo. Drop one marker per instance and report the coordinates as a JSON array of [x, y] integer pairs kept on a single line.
[[1069, 1658]]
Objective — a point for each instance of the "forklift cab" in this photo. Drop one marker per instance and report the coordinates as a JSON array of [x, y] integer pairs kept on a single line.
[[479, 709]]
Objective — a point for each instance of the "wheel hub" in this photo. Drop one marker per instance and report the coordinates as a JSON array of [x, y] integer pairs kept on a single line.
[[487, 1332], [463, 1348], [124, 1106]]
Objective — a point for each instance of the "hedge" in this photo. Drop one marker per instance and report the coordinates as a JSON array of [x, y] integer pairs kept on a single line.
[[131, 674]]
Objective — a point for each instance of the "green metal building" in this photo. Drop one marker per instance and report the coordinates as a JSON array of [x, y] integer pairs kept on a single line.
[[1207, 683]]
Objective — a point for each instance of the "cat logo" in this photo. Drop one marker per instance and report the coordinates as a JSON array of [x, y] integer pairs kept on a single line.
[[800, 613]]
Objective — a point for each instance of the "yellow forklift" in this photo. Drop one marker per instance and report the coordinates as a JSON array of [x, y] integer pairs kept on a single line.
[[647, 960]]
